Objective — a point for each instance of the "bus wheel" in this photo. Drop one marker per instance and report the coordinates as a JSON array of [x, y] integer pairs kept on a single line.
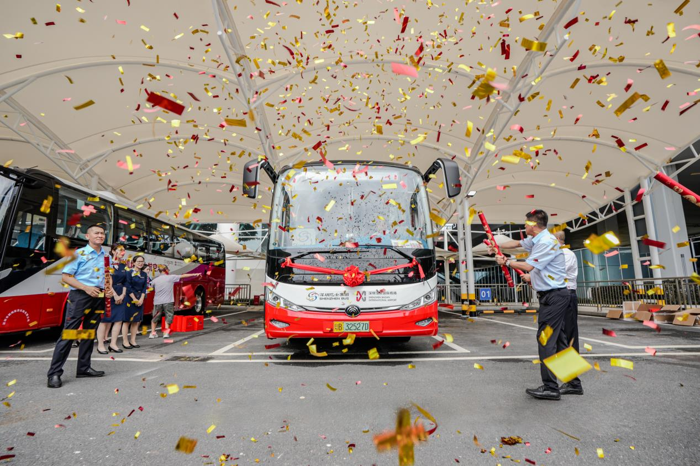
[[200, 302]]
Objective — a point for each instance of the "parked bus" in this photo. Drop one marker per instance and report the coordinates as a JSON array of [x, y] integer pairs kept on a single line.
[[38, 210], [350, 249]]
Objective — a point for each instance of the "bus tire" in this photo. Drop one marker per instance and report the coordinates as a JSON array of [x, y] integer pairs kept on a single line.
[[200, 302]]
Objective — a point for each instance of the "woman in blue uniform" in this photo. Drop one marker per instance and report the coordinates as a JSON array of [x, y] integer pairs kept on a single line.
[[137, 284], [114, 321]]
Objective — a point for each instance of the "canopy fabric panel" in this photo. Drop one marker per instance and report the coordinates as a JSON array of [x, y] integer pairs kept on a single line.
[[560, 105]]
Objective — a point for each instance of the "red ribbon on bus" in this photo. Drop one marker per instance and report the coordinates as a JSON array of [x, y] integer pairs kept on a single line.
[[487, 230], [352, 275]]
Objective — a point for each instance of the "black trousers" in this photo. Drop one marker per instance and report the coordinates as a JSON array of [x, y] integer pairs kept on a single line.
[[81, 309], [554, 306], [571, 329]]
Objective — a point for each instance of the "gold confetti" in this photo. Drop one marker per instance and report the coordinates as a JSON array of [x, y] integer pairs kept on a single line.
[[600, 453], [533, 45], [80, 334], [411, 366], [661, 68], [373, 353], [418, 140], [11, 382], [136, 435], [236, 122], [629, 102], [329, 206], [437, 219], [211, 428], [186, 445], [478, 366], [172, 388], [331, 388], [676, 229], [567, 364], [588, 347], [84, 105], [671, 29], [470, 127], [544, 335], [622, 363]]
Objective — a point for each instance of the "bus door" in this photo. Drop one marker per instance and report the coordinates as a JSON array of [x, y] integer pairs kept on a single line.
[[28, 253]]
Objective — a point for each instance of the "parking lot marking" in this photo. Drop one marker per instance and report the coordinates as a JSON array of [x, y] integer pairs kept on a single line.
[[454, 346], [235, 343], [620, 345]]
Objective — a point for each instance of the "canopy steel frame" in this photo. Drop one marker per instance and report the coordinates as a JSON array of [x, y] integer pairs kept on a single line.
[[47, 143], [518, 86], [238, 60]]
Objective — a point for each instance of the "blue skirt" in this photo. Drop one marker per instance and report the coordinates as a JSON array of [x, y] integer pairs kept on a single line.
[[118, 312], [134, 313]]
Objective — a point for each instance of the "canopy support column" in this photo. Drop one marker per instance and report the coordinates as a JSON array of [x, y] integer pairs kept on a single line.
[[471, 293], [651, 229], [461, 266], [629, 213]]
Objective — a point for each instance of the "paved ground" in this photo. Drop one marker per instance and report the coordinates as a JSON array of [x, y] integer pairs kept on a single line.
[[274, 406]]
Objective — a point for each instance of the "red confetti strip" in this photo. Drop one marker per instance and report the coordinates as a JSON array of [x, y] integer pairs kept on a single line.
[[438, 344], [654, 243], [166, 104], [275, 345], [653, 325], [641, 146], [650, 350], [609, 333], [571, 23]]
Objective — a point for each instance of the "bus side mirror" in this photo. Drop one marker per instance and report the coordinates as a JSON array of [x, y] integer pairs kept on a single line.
[[251, 178], [453, 184]]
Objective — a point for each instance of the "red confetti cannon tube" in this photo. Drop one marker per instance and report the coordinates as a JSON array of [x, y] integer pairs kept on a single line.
[[487, 229], [685, 193], [108, 287]]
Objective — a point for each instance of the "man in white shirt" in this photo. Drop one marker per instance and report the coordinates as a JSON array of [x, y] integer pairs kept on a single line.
[[573, 387], [164, 299]]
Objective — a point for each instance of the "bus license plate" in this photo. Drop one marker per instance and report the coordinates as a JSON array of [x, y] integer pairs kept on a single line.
[[340, 327]]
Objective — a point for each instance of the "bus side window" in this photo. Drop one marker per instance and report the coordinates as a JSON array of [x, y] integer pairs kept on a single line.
[[131, 231], [76, 213], [29, 231], [160, 239]]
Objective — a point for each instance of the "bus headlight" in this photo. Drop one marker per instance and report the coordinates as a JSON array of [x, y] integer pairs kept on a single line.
[[277, 301], [428, 298]]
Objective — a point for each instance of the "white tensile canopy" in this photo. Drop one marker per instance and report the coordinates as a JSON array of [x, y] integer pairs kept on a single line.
[[560, 105]]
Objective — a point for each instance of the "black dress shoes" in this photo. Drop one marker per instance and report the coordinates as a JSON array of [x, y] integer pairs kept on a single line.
[[544, 393], [112, 350], [567, 389], [55, 382], [90, 373]]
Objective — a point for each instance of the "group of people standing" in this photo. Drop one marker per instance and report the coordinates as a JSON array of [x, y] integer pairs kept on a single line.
[[86, 276], [129, 288]]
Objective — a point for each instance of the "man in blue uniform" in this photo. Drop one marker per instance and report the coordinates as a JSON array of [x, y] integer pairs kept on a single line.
[[547, 269], [86, 303]]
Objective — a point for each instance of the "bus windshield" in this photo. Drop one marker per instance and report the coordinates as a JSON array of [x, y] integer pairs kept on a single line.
[[354, 206], [7, 188]]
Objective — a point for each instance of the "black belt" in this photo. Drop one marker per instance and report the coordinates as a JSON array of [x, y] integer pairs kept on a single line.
[[541, 294]]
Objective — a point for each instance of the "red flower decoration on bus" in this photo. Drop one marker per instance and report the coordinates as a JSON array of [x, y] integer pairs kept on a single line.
[[353, 276]]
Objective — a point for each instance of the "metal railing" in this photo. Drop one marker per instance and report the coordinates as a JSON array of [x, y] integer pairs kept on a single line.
[[680, 291], [237, 293]]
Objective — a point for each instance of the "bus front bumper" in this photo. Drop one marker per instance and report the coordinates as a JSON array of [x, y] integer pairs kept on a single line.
[[312, 324]]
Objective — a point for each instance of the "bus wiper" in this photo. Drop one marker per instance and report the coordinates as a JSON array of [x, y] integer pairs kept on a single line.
[[391, 248]]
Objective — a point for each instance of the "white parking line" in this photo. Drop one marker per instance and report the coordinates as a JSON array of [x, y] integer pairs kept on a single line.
[[235, 343], [366, 360], [454, 346], [490, 319], [51, 349]]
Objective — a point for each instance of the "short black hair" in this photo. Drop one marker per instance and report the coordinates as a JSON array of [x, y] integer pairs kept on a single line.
[[538, 216], [96, 225]]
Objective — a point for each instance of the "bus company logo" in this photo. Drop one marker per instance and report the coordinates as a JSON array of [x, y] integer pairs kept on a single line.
[[352, 311], [16, 311], [360, 296], [313, 296]]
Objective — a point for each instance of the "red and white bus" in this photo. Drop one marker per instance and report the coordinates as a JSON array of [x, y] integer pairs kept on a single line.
[[38, 209], [350, 249]]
